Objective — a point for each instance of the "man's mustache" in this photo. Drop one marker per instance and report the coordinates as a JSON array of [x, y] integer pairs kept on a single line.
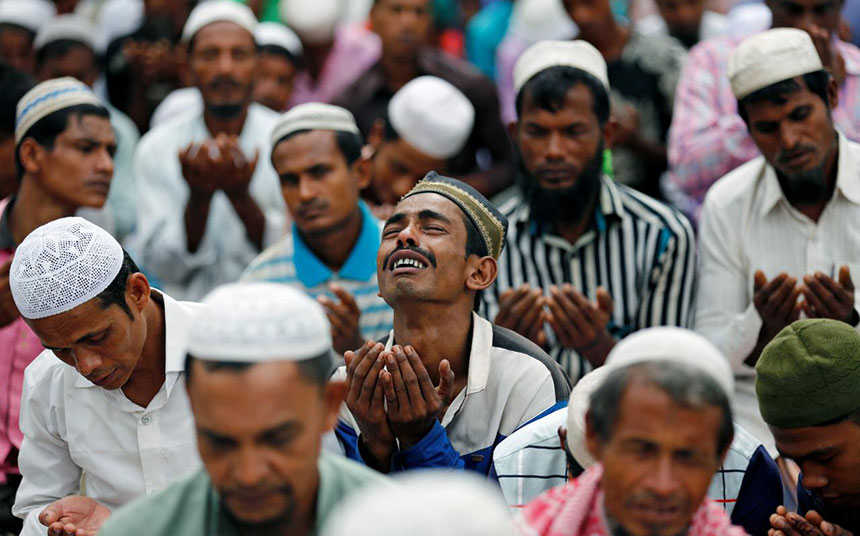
[[427, 254]]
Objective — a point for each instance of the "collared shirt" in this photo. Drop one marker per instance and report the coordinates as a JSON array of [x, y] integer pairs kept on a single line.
[[510, 382], [353, 51], [225, 250], [191, 507], [708, 138], [748, 225], [640, 250], [747, 486], [368, 100], [73, 428], [292, 262]]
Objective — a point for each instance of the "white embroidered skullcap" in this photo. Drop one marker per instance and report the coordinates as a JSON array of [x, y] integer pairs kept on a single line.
[[28, 14], [677, 345], [254, 322], [275, 33], [48, 97], [546, 54], [218, 11], [313, 116], [433, 116], [314, 20], [580, 400], [61, 265], [770, 57], [73, 27], [424, 503]]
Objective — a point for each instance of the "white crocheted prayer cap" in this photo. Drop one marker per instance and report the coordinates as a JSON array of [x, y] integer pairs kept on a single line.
[[62, 265], [254, 322], [770, 57], [433, 116], [29, 14], [314, 20], [218, 11], [73, 27], [314, 116], [48, 97], [275, 33], [424, 503], [541, 56], [580, 400]]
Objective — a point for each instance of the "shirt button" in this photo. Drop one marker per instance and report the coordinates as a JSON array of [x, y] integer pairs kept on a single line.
[[146, 419]]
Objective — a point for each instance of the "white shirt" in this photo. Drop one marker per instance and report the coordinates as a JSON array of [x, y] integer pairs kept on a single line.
[[74, 429], [748, 225], [224, 252]]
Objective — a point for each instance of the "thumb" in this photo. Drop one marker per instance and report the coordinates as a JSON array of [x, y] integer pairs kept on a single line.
[[759, 280], [845, 278], [604, 300], [446, 381], [51, 514], [252, 165]]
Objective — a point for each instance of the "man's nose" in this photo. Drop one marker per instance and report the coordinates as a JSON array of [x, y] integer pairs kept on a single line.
[[250, 468]]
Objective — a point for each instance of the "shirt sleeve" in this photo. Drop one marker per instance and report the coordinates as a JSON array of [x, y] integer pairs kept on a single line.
[[434, 450], [760, 494], [707, 138], [48, 471]]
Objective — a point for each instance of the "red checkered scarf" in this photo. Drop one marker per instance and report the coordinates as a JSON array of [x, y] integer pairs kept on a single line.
[[575, 509]]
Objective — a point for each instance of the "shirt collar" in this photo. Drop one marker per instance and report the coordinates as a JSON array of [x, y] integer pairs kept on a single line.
[[359, 266], [850, 54]]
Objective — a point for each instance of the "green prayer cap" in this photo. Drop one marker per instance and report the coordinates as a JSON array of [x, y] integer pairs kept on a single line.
[[809, 374]]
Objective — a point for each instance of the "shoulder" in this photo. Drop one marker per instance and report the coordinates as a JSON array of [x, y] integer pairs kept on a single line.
[[528, 359], [653, 213], [541, 431], [262, 115], [349, 474], [47, 370], [279, 254], [735, 186], [460, 73], [166, 136], [715, 49]]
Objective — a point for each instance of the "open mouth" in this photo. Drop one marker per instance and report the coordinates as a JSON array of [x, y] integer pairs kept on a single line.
[[407, 261]]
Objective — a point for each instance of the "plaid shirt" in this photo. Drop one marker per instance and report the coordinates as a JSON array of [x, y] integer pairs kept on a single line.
[[708, 138]]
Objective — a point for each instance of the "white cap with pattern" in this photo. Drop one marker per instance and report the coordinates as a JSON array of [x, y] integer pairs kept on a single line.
[[72, 27], [48, 97], [546, 54], [433, 116], [62, 265], [218, 11], [770, 57], [28, 14], [314, 116], [255, 322], [275, 33]]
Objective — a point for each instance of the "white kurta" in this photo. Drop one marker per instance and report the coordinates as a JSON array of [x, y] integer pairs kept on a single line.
[[73, 429], [748, 225], [160, 245]]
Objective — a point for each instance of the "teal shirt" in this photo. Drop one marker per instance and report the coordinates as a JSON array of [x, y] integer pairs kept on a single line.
[[189, 507]]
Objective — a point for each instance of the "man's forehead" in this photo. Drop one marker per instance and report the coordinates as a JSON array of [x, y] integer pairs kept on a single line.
[[64, 329], [416, 203], [223, 33], [90, 126]]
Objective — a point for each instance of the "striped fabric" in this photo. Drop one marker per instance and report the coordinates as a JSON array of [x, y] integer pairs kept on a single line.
[[640, 250]]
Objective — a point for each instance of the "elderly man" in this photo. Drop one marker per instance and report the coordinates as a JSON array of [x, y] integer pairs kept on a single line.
[[589, 260], [428, 123], [446, 386], [65, 46], [747, 485], [209, 200], [808, 388], [709, 137], [659, 429], [260, 443], [330, 250], [105, 398], [776, 235]]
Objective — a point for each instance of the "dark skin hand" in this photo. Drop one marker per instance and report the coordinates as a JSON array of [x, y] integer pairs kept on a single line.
[[344, 316], [414, 403], [198, 170], [776, 303], [522, 310], [365, 401], [825, 298], [8, 311], [74, 516], [581, 324], [787, 523]]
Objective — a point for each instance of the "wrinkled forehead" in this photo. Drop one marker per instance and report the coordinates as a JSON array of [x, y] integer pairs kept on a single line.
[[426, 205]]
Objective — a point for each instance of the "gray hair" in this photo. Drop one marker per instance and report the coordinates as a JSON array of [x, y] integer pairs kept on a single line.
[[686, 385]]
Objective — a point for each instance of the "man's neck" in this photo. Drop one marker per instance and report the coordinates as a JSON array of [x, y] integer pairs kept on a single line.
[[571, 231], [398, 70], [437, 331], [149, 374], [300, 522], [831, 175], [609, 39], [33, 208], [334, 246], [315, 57], [227, 125]]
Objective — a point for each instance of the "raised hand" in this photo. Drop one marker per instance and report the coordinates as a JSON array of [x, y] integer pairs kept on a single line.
[[366, 402], [74, 515], [785, 523], [198, 168], [776, 301], [580, 324], [235, 170], [825, 298], [522, 310], [344, 317]]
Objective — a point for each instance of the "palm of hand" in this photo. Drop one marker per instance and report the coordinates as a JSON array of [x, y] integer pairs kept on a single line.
[[82, 512]]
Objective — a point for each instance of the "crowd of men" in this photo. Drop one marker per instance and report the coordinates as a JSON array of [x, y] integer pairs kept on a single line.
[[429, 267]]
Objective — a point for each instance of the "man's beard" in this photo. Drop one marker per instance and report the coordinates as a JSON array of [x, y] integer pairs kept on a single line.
[[270, 527], [805, 188], [562, 205], [687, 38], [225, 111]]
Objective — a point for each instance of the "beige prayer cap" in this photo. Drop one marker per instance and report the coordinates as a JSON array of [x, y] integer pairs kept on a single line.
[[770, 57], [577, 54], [48, 97], [314, 116], [218, 11]]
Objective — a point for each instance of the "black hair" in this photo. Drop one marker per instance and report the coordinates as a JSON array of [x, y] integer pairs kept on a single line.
[[349, 143], [317, 370], [14, 83], [817, 82], [548, 88], [275, 50], [46, 129], [686, 385], [59, 48], [114, 294], [13, 26], [474, 246]]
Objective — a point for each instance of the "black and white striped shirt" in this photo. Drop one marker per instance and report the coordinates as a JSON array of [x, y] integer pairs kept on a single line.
[[640, 250]]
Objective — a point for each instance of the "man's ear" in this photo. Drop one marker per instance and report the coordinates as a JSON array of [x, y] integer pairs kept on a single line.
[[335, 394], [482, 272], [361, 168], [610, 132], [833, 93], [377, 134], [137, 291], [513, 126], [592, 440], [31, 155]]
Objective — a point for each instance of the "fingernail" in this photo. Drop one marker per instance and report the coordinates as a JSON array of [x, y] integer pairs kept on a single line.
[[827, 527]]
